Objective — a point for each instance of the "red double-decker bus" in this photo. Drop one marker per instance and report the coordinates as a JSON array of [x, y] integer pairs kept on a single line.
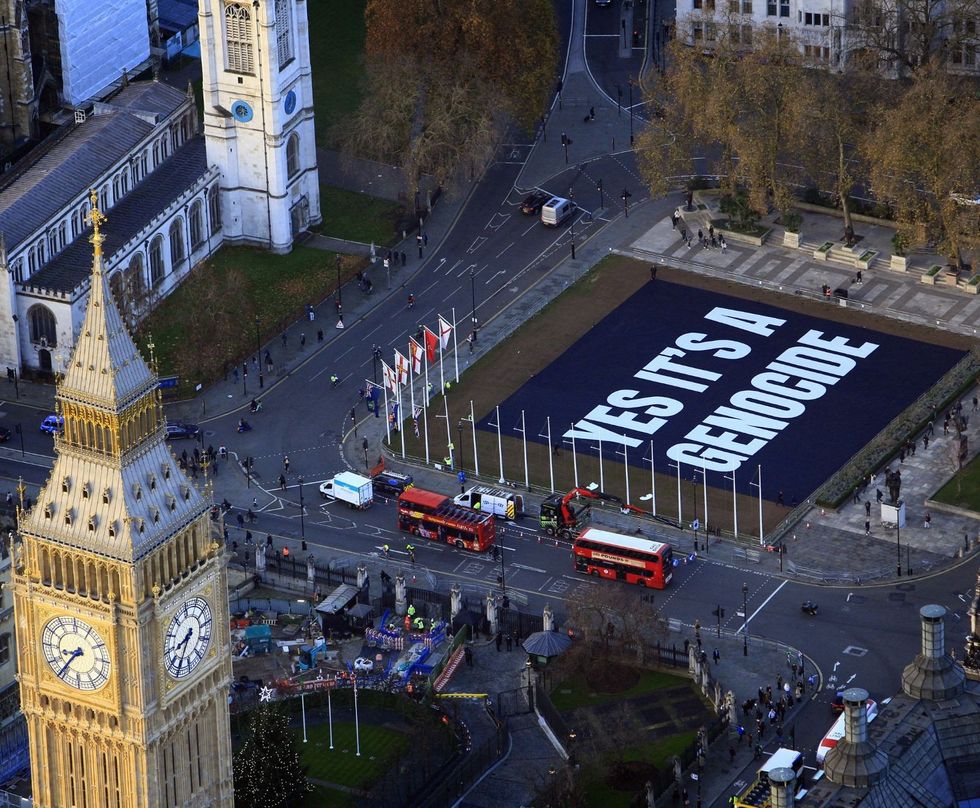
[[434, 516], [623, 558]]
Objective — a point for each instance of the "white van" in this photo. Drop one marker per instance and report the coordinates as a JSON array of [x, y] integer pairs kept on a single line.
[[556, 210]]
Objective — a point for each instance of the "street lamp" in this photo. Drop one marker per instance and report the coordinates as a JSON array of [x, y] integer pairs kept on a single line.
[[631, 111], [302, 523], [364, 446], [258, 352], [340, 294], [745, 619], [571, 197], [599, 184], [459, 427], [473, 301], [697, 521], [898, 546]]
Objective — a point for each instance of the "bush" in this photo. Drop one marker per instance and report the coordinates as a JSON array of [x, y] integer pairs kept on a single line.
[[899, 244], [792, 221], [738, 208]]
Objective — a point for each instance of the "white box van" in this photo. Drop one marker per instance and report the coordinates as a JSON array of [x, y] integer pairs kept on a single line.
[[556, 210]]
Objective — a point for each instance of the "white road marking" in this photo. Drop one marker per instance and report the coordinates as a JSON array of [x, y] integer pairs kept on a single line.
[[529, 569], [763, 606]]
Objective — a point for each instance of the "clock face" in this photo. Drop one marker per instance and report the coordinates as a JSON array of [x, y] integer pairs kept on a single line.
[[289, 104], [76, 653], [242, 111], [188, 637]]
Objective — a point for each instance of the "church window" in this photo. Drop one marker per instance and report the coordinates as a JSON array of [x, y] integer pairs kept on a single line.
[[43, 326], [238, 39], [86, 491], [156, 261], [284, 34], [186, 492], [214, 209], [62, 235], [137, 491], [156, 153], [152, 480], [155, 512], [41, 254], [176, 243], [106, 496], [53, 241], [112, 530], [19, 270], [166, 471], [197, 225], [104, 198], [48, 511], [292, 155], [92, 522], [68, 517], [4, 648], [66, 485], [171, 502], [135, 283]]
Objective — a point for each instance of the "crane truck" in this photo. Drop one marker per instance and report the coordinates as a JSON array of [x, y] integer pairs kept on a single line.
[[562, 516]]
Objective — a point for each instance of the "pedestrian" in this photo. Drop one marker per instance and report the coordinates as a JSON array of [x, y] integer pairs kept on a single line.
[[498, 640], [716, 655], [425, 239], [945, 423], [285, 463], [867, 508], [319, 335], [467, 652], [700, 236], [310, 312], [779, 681], [653, 272], [250, 516], [285, 338], [236, 374], [241, 521], [878, 495], [927, 522], [779, 498], [510, 642], [925, 441], [741, 733], [673, 220], [302, 340], [724, 244], [867, 527], [404, 259], [683, 233], [975, 403], [282, 482], [901, 455], [731, 754], [795, 668]]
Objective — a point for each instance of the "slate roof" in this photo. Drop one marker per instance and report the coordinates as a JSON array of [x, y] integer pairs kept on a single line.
[[153, 97], [177, 15], [70, 167], [70, 268]]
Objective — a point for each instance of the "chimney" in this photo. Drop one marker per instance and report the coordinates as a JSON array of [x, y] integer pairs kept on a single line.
[[934, 674], [782, 782], [854, 761]]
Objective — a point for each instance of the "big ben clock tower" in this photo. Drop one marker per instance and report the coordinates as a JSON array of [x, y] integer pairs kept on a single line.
[[258, 118], [120, 596]]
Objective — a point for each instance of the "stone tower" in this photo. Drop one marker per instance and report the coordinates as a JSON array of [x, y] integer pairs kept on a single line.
[[120, 595], [18, 101], [258, 118]]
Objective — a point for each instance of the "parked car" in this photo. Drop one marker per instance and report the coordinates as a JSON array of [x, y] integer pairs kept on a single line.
[[177, 431], [52, 424], [5, 434], [531, 205], [390, 482]]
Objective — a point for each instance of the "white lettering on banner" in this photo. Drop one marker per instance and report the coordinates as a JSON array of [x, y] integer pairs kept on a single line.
[[596, 556], [751, 418], [747, 321], [749, 408]]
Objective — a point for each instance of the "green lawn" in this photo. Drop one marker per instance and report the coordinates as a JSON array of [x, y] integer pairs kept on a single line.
[[210, 318], [380, 747], [963, 490], [322, 797], [574, 693], [659, 752], [336, 57], [358, 217]]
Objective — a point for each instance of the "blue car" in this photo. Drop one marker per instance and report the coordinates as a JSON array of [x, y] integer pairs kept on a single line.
[[53, 424]]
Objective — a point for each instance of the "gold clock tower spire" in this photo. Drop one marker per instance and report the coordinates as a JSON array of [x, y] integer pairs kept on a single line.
[[120, 595]]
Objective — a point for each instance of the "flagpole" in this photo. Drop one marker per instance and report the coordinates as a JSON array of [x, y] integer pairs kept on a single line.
[[500, 447], [762, 538], [527, 476], [449, 433], [425, 428], [411, 376], [401, 413], [574, 457], [387, 418], [602, 476], [704, 479], [476, 460], [653, 484], [626, 467], [425, 398], [551, 464], [442, 377], [357, 726], [455, 347]]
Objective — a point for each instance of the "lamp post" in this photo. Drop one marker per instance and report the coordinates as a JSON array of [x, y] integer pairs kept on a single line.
[[244, 378], [364, 446], [697, 521], [898, 546], [571, 197], [745, 619], [631, 111], [258, 352], [340, 294], [302, 522], [473, 301], [459, 428]]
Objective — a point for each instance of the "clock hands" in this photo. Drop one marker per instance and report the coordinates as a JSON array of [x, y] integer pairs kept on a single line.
[[71, 658], [182, 645]]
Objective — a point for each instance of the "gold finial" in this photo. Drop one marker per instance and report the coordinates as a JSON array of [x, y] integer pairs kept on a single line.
[[153, 360], [21, 489], [96, 217]]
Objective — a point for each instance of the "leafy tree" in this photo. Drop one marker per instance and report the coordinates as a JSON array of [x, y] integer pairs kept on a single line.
[[924, 155], [268, 772], [444, 79]]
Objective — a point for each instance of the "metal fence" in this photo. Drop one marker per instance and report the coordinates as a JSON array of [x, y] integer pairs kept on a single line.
[[457, 777]]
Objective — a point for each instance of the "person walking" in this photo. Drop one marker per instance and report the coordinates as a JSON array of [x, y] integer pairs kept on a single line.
[[285, 463], [282, 483]]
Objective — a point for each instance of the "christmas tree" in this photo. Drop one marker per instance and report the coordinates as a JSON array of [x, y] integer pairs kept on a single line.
[[268, 771]]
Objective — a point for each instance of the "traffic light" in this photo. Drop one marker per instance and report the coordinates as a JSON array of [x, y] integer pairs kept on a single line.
[[719, 613]]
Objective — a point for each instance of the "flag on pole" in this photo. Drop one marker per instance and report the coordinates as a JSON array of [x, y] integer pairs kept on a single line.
[[388, 376], [415, 351], [445, 331], [431, 342], [401, 367]]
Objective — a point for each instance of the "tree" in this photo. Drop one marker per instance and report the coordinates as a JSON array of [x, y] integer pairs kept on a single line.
[[924, 156], [445, 79], [268, 771], [898, 37]]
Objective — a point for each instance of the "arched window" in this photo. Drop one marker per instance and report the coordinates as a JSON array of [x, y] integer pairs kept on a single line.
[[214, 208], [238, 39], [62, 235], [176, 243], [104, 198], [197, 225], [156, 261], [135, 284], [156, 153], [43, 325], [19, 270], [292, 155], [284, 33], [116, 285]]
